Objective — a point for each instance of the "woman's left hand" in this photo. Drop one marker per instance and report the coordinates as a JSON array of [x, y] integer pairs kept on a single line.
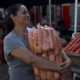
[[67, 63], [66, 59]]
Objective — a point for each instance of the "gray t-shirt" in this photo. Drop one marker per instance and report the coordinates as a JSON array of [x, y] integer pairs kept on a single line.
[[18, 70]]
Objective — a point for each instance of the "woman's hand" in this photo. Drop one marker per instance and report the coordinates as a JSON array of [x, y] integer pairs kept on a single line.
[[66, 67], [66, 60], [67, 63]]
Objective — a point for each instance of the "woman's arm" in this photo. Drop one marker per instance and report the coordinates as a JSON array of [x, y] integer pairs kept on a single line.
[[28, 57], [67, 61], [65, 57]]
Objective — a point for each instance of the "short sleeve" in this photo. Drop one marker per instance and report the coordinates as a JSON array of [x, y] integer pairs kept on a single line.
[[12, 43]]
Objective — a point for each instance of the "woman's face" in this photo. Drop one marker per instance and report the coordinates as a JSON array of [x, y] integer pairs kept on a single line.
[[22, 17]]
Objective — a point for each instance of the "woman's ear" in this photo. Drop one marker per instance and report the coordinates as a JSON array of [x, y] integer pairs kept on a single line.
[[12, 16]]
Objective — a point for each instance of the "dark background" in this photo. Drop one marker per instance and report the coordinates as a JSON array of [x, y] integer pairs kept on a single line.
[[7, 3]]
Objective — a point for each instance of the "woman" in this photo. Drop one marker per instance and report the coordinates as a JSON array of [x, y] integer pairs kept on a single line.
[[17, 54]]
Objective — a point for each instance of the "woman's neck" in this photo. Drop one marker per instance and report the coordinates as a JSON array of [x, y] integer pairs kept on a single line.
[[20, 31]]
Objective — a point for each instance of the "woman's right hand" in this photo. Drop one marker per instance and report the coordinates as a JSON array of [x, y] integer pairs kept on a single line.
[[59, 68], [63, 68]]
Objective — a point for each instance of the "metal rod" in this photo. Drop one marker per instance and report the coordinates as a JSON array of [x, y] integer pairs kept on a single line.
[[76, 13], [50, 13]]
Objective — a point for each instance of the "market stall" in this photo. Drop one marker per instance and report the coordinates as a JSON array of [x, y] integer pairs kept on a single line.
[[72, 48], [49, 2]]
